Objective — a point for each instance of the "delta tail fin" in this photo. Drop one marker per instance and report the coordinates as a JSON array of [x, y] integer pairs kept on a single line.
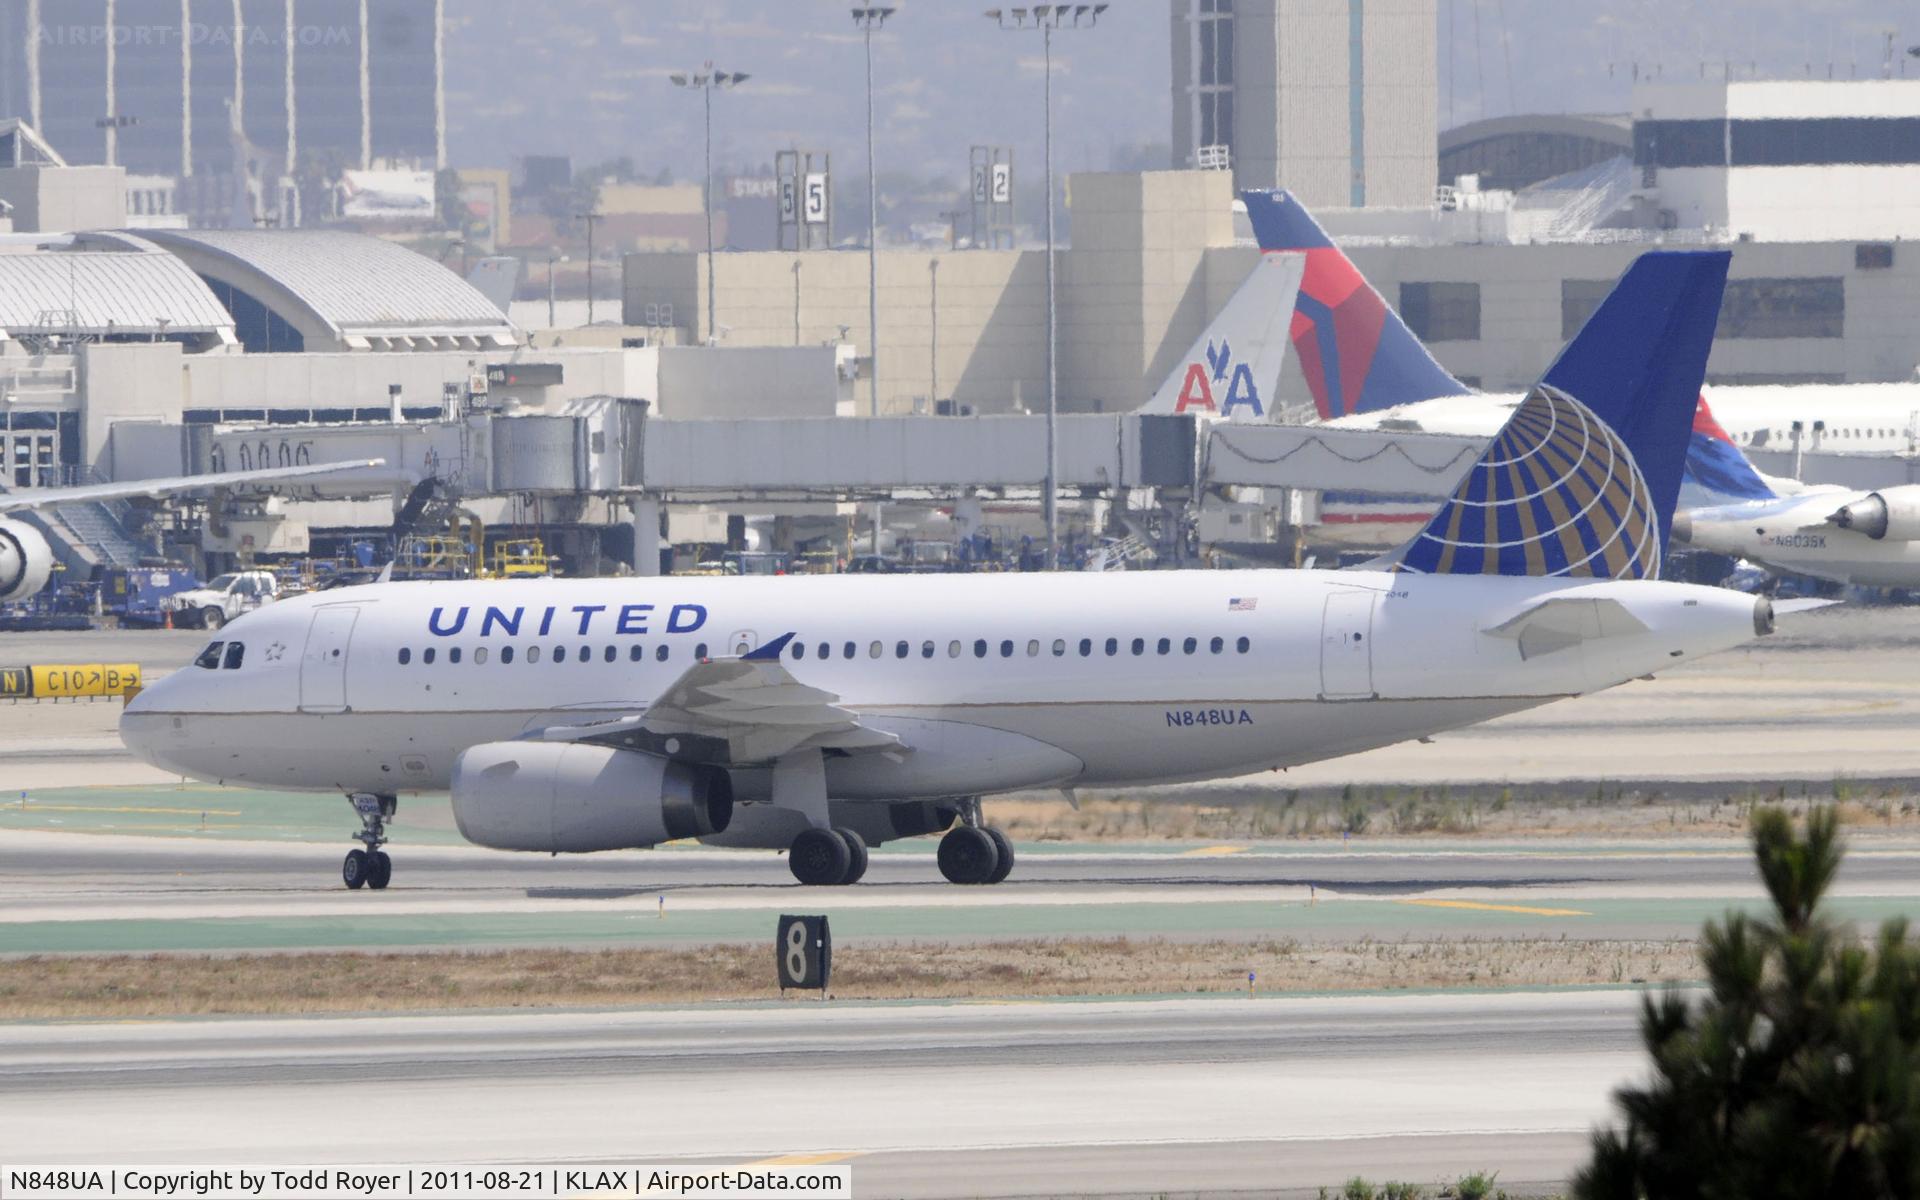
[[1582, 480], [1357, 355], [1717, 472], [1233, 368]]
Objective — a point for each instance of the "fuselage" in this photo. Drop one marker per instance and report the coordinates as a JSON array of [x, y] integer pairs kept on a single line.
[[1876, 418], [992, 682], [1792, 535]]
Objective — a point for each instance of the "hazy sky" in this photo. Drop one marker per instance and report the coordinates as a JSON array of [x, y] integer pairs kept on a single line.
[[589, 77]]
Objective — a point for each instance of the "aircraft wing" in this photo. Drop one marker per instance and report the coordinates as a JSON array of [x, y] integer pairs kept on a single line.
[[1562, 621], [41, 497], [736, 712]]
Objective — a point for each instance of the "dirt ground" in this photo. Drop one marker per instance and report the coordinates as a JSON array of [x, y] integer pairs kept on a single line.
[[1227, 814], [126, 986]]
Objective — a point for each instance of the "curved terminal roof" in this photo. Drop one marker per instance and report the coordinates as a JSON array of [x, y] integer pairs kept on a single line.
[[106, 293], [344, 290], [1514, 151]]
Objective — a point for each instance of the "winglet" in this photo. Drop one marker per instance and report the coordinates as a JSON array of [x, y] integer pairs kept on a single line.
[[769, 651]]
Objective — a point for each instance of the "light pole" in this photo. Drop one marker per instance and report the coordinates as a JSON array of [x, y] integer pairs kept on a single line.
[[705, 80], [1046, 18], [553, 256], [590, 218], [870, 18]]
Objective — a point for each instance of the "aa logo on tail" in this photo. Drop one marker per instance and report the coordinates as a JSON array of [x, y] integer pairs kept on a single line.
[[1197, 391]]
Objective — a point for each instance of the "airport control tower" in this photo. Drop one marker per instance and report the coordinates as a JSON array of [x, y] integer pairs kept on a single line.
[[1335, 99]]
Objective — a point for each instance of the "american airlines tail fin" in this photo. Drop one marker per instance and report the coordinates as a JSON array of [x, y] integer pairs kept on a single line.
[[1233, 368], [1582, 480], [1356, 353], [1716, 471]]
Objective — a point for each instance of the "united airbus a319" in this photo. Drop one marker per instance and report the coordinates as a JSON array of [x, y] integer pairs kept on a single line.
[[825, 714]]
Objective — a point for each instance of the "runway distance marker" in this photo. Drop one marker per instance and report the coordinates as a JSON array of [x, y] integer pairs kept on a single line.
[[1477, 906]]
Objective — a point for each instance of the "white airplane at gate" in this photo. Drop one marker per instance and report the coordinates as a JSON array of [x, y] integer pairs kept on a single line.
[[824, 714]]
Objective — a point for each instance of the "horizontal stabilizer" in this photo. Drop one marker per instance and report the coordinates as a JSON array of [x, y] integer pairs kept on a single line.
[[1563, 621]]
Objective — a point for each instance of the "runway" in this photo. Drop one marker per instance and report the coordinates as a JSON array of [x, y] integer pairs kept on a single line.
[[1111, 1098]]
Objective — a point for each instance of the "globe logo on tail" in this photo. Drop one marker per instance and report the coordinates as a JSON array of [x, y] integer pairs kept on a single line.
[[1556, 494]]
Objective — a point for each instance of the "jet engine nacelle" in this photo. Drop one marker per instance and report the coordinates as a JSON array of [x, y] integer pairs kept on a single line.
[[575, 797], [26, 561], [1889, 513]]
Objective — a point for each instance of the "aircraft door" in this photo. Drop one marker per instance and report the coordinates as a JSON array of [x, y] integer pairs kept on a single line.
[[323, 668], [1346, 646]]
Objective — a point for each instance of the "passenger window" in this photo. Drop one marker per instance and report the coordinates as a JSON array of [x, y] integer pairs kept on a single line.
[[1059, 647], [611, 654], [533, 654], [1113, 647], [1243, 645], [979, 647], [926, 649], [1086, 647], [1139, 645], [236, 652], [506, 654], [660, 652], [953, 649], [210, 657], [873, 651], [799, 649], [1006, 649], [1217, 645], [453, 654], [899, 649], [1033, 647], [700, 652], [823, 650], [479, 656], [559, 654], [1189, 646], [586, 654], [406, 656], [1164, 645], [636, 653], [426, 656], [847, 650]]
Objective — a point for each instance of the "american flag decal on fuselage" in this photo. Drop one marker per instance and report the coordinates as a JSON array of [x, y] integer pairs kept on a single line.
[[1555, 494]]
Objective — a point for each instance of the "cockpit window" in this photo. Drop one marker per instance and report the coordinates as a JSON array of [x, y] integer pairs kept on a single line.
[[236, 651], [210, 657]]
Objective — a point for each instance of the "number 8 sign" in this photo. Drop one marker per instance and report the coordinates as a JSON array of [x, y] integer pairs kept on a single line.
[[804, 950]]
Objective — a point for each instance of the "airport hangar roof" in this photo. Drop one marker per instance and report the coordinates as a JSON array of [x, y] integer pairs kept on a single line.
[[343, 291], [134, 291]]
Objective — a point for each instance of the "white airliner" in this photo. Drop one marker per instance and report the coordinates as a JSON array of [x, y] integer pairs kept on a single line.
[[26, 561], [1840, 534], [822, 714]]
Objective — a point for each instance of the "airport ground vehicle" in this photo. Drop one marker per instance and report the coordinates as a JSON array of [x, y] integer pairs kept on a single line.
[[225, 598]]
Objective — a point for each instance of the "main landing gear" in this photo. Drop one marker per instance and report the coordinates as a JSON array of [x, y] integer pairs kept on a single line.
[[828, 856], [975, 853], [370, 867]]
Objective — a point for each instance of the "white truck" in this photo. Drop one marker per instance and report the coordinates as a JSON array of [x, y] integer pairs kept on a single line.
[[220, 601]]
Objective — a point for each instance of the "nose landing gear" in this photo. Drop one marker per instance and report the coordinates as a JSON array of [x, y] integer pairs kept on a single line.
[[370, 867]]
